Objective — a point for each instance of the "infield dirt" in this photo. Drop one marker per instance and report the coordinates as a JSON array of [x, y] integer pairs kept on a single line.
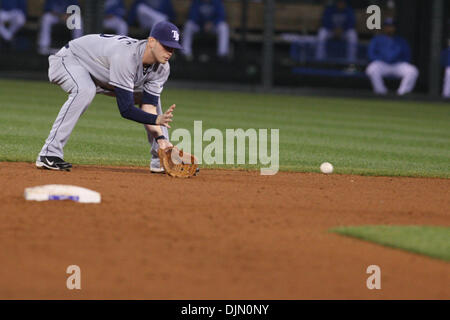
[[221, 235]]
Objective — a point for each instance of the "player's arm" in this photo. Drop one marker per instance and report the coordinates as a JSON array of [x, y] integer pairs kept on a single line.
[[125, 102], [149, 103]]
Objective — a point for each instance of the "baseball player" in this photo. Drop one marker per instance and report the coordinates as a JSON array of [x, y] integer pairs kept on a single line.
[[55, 11], [133, 71], [13, 13], [12, 17], [149, 12], [114, 17], [338, 21], [209, 16], [390, 55]]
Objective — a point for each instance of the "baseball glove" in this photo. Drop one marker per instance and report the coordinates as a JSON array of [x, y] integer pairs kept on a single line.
[[178, 163]]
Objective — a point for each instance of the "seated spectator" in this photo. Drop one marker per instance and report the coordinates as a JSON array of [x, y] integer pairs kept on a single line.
[[114, 17], [12, 17], [338, 21], [149, 12], [55, 11], [208, 16], [446, 62], [390, 56]]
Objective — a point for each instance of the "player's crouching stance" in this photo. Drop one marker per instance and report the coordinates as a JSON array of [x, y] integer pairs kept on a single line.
[[133, 71]]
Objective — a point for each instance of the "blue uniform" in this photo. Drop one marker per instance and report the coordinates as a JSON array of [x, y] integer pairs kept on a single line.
[[389, 49], [163, 6], [59, 6], [334, 18], [8, 5], [115, 8], [446, 57], [202, 11]]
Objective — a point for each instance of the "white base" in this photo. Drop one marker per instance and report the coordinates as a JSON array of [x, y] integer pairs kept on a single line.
[[62, 192]]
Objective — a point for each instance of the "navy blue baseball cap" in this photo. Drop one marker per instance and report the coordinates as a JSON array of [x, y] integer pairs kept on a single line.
[[167, 33]]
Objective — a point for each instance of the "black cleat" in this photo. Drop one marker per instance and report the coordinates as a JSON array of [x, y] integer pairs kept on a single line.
[[53, 163]]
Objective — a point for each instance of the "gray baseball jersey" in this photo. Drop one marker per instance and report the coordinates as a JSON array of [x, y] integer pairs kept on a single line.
[[116, 61]]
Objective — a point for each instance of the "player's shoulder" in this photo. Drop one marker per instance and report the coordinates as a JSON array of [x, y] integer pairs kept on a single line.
[[163, 69]]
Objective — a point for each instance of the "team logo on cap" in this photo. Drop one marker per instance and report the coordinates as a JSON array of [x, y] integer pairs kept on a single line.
[[176, 35]]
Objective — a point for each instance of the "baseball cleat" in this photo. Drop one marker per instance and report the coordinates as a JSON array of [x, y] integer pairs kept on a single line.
[[155, 166], [156, 169], [161, 170], [53, 163]]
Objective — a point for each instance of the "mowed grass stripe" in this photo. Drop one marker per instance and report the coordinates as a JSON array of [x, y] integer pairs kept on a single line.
[[308, 128], [432, 241], [357, 136]]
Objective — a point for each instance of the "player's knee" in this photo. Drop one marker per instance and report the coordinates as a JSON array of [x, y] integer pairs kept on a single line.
[[323, 34], [87, 92], [372, 69], [222, 26], [222, 29], [21, 19], [409, 70], [352, 36], [414, 71], [47, 18]]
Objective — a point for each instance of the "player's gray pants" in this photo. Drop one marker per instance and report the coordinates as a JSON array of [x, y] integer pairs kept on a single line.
[[66, 71]]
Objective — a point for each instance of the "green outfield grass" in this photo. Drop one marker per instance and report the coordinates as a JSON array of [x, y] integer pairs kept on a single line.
[[370, 137], [427, 240]]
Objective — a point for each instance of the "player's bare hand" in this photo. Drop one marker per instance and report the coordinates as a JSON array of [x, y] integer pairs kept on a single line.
[[163, 144], [166, 117]]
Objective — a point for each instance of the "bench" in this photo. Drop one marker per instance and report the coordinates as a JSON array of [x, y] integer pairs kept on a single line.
[[289, 17]]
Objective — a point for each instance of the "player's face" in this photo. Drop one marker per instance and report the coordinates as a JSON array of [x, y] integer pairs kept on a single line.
[[162, 53]]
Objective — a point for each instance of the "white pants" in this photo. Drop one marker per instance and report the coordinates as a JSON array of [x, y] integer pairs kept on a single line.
[[350, 36], [15, 18], [223, 37], [117, 24], [148, 17], [45, 34], [377, 70], [446, 86]]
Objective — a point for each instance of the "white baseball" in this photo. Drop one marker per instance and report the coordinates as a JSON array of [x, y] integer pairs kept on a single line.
[[326, 167]]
